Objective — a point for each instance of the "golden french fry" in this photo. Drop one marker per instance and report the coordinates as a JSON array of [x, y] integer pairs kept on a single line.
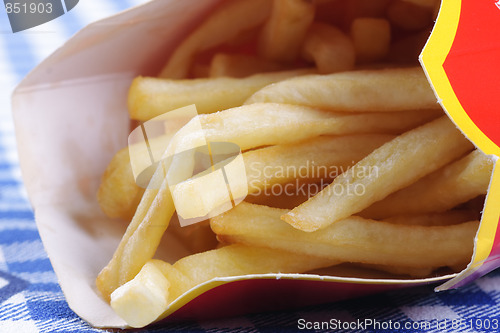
[[304, 162], [236, 259], [436, 219], [241, 65], [287, 120], [141, 300], [146, 297], [392, 89], [223, 25], [353, 239], [371, 38], [444, 189], [393, 166], [284, 31], [150, 97], [283, 200], [140, 241], [329, 48], [263, 124], [118, 194]]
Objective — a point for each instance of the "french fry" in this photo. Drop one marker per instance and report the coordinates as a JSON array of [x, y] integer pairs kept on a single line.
[[436, 219], [392, 89], [287, 119], [329, 48], [150, 97], [312, 160], [282, 200], [140, 241], [444, 189], [236, 259], [371, 38], [143, 299], [284, 31], [241, 65], [393, 166], [223, 25], [351, 240], [118, 194]]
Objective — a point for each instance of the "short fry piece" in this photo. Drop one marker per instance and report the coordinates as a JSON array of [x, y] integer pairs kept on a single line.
[[141, 300], [150, 97], [351, 240], [395, 165], [223, 25], [144, 298], [367, 90], [285, 29], [241, 65], [331, 50], [444, 189]]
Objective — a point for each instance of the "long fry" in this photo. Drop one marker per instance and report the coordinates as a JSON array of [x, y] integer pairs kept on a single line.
[[223, 25], [444, 189], [149, 97], [308, 161], [351, 240], [389, 168], [143, 299], [367, 90]]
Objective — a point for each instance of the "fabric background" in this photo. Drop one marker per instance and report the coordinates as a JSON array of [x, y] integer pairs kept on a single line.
[[31, 299]]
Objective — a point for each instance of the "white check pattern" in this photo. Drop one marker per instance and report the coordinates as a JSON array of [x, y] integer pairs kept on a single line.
[[31, 299]]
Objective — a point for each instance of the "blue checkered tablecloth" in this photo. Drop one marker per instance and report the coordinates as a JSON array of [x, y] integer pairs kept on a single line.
[[31, 299]]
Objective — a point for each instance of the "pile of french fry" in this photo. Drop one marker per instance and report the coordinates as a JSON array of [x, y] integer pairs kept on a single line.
[[314, 84]]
